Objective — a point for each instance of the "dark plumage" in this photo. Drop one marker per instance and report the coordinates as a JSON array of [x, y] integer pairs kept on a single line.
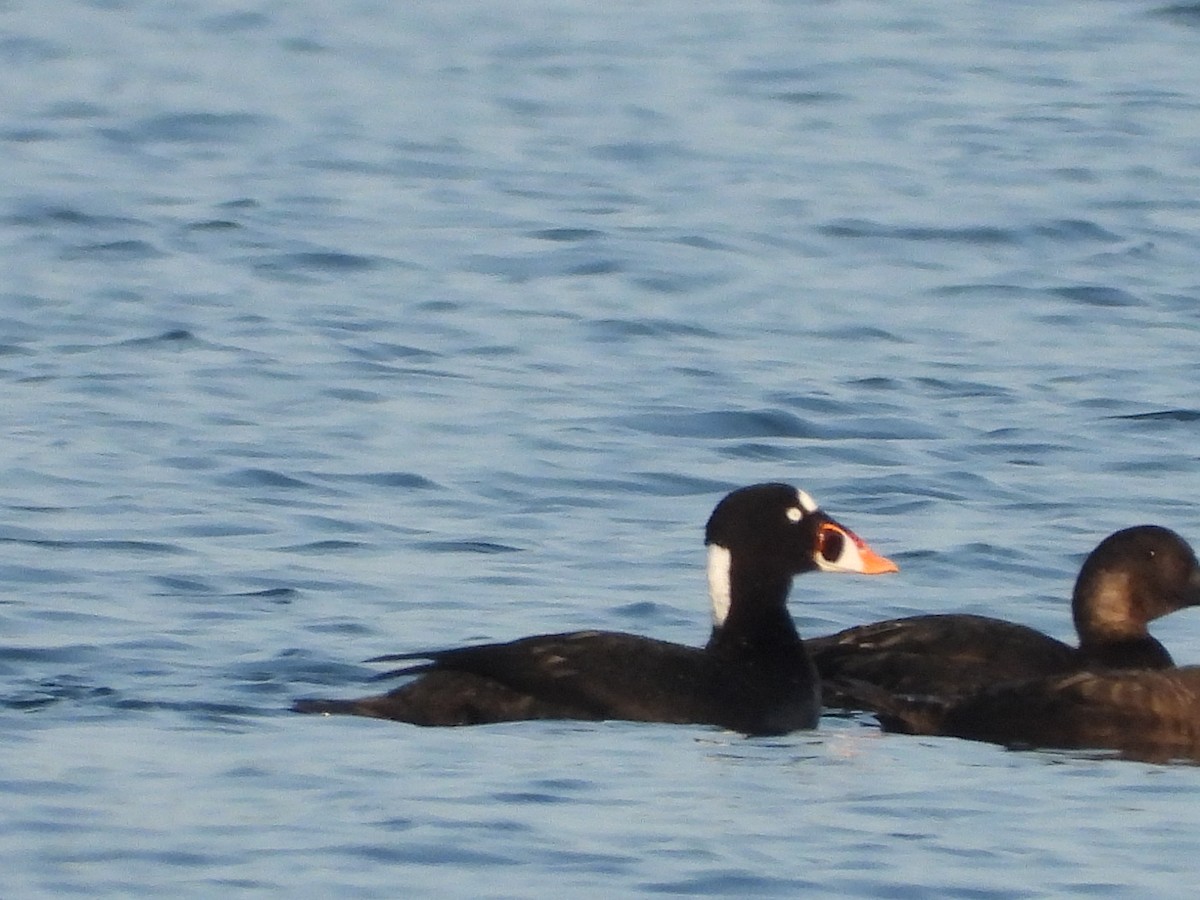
[[1141, 713], [753, 676], [1132, 577]]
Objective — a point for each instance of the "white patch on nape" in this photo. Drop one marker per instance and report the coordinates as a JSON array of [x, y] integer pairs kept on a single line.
[[807, 503], [720, 590]]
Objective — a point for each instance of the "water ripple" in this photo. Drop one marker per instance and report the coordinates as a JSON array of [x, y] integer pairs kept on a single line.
[[105, 546], [405, 480], [322, 547], [1097, 295], [1070, 230], [566, 235], [774, 423], [863, 228], [1186, 14], [1162, 415], [325, 262], [192, 127], [619, 330], [120, 251], [266, 478], [465, 546]]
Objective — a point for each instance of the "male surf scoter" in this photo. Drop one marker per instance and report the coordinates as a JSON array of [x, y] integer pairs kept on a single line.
[[1132, 577], [753, 676]]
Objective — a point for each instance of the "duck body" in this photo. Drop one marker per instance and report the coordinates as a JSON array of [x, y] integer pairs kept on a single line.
[[939, 654], [598, 675], [1132, 577], [1151, 714], [753, 676]]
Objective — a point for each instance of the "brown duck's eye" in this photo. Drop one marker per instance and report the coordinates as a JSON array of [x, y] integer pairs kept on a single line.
[[830, 544]]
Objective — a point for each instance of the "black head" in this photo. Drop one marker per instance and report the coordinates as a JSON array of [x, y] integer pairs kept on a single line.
[[760, 536], [1132, 577]]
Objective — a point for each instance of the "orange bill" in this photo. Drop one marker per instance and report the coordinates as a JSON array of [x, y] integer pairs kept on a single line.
[[841, 549]]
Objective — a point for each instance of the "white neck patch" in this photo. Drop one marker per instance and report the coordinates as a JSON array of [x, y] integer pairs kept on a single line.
[[720, 591]]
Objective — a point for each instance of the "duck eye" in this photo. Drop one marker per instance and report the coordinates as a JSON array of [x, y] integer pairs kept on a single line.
[[830, 544]]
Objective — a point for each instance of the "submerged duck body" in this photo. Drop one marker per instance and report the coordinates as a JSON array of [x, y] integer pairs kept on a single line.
[[753, 675], [1132, 577]]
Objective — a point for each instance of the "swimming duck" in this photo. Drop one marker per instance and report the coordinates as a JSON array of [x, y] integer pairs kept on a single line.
[[1132, 577], [753, 676], [1146, 714]]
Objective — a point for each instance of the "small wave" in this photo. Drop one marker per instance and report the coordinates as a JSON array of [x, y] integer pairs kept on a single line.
[[54, 216], [386, 351], [51, 691], [324, 261], [118, 250], [1187, 14], [1071, 230], [409, 481], [672, 484], [773, 423], [1162, 415], [861, 334], [321, 547], [69, 653], [213, 225], [756, 451], [971, 234], [961, 388], [563, 263], [1097, 295], [486, 547], [180, 585], [201, 709], [615, 330], [723, 424], [808, 98], [423, 853], [279, 594], [681, 281], [152, 547], [878, 383], [566, 235], [353, 395], [640, 152], [175, 336], [194, 127], [264, 478]]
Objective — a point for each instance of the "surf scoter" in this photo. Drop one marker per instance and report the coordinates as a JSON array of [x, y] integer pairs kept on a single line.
[[1132, 577], [1145, 714], [753, 676]]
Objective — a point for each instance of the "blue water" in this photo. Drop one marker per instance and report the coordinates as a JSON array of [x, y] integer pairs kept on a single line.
[[326, 333]]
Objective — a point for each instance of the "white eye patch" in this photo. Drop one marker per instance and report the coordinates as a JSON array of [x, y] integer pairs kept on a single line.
[[795, 514], [848, 559]]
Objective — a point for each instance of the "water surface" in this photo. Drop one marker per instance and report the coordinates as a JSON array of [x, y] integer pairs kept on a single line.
[[322, 338]]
